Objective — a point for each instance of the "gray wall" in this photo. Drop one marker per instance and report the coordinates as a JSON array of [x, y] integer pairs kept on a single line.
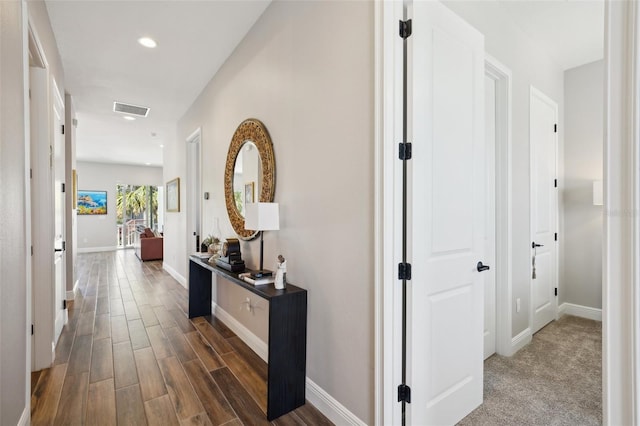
[[584, 103], [99, 232], [529, 65], [14, 360], [306, 71]]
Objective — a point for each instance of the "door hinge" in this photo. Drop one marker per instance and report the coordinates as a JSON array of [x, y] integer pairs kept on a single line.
[[64, 245], [404, 393], [405, 28], [31, 250], [32, 329], [30, 173], [404, 271], [74, 122], [63, 129], [404, 152], [62, 187], [555, 183], [555, 236], [555, 128], [64, 304], [556, 291]]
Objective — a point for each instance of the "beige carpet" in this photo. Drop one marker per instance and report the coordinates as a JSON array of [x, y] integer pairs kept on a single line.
[[555, 380]]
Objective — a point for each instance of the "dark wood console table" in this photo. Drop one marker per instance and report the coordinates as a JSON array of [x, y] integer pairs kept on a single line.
[[287, 332]]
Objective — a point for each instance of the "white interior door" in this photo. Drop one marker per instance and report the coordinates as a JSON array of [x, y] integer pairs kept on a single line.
[[445, 370], [59, 210], [544, 207], [490, 218]]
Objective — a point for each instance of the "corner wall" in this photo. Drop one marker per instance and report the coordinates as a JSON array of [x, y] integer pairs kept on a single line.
[[98, 232], [310, 81], [584, 103]]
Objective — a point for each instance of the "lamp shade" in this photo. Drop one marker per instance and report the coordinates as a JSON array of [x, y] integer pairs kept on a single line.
[[262, 217], [597, 192]]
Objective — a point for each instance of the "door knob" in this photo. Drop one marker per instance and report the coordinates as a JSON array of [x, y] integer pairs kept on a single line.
[[480, 267], [534, 245]]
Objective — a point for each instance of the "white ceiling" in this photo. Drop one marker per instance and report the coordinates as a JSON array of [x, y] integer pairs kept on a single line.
[[103, 61], [572, 31]]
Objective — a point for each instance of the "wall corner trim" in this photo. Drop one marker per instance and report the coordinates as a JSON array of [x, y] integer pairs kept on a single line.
[[25, 417], [580, 311], [329, 406], [71, 295], [182, 280], [521, 340]]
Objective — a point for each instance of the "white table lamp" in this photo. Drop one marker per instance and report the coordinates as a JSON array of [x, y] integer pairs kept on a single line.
[[262, 217]]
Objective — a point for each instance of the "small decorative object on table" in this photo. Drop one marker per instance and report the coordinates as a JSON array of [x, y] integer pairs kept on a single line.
[[281, 273]]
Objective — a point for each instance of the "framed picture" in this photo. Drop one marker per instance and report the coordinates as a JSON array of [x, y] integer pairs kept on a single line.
[[173, 195], [248, 192], [92, 202]]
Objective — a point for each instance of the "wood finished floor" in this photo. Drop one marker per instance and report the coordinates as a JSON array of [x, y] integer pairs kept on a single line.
[[130, 356]]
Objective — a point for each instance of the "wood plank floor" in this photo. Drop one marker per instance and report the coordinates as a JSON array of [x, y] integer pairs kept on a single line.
[[130, 356]]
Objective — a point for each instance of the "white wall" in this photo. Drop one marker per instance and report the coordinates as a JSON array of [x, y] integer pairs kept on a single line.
[[584, 103], [529, 65], [99, 232], [306, 71]]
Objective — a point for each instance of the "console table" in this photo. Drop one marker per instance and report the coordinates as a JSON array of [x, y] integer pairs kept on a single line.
[[287, 357]]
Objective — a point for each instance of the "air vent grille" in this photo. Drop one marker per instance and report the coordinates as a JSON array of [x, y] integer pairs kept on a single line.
[[140, 111]]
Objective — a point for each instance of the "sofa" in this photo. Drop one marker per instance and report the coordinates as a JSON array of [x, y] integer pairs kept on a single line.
[[147, 246]]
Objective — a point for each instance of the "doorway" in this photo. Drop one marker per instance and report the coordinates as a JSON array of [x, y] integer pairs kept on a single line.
[[194, 182]]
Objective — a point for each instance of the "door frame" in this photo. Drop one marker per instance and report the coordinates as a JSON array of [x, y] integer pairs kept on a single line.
[[534, 91], [621, 313], [194, 191], [501, 75]]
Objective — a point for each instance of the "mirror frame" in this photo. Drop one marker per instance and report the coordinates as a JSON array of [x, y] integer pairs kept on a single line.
[[250, 130]]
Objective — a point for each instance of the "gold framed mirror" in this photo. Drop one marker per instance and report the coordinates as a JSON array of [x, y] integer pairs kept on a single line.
[[249, 173]]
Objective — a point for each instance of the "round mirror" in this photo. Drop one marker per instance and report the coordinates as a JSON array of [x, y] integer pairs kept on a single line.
[[250, 173]]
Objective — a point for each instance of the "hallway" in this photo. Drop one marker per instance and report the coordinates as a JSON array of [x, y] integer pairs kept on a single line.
[[129, 355]]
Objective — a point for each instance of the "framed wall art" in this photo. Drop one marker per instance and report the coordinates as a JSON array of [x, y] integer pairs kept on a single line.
[[92, 202], [173, 195]]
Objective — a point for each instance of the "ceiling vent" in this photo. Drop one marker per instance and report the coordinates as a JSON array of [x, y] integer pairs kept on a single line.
[[139, 111]]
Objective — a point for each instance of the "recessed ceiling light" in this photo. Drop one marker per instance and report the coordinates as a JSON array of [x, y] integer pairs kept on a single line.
[[148, 164], [161, 146], [147, 42], [129, 118]]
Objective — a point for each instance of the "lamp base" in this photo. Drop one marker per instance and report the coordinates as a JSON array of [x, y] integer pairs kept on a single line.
[[261, 273]]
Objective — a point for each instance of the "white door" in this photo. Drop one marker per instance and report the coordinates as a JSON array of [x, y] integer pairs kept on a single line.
[[490, 218], [445, 370], [544, 210], [59, 209]]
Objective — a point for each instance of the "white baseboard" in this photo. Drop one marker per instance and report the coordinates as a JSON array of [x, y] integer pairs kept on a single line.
[[71, 295], [329, 406], [182, 280], [254, 342], [521, 340], [580, 311], [25, 417], [320, 399], [96, 249]]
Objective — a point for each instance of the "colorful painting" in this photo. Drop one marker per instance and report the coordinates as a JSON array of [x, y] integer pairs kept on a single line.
[[92, 202]]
